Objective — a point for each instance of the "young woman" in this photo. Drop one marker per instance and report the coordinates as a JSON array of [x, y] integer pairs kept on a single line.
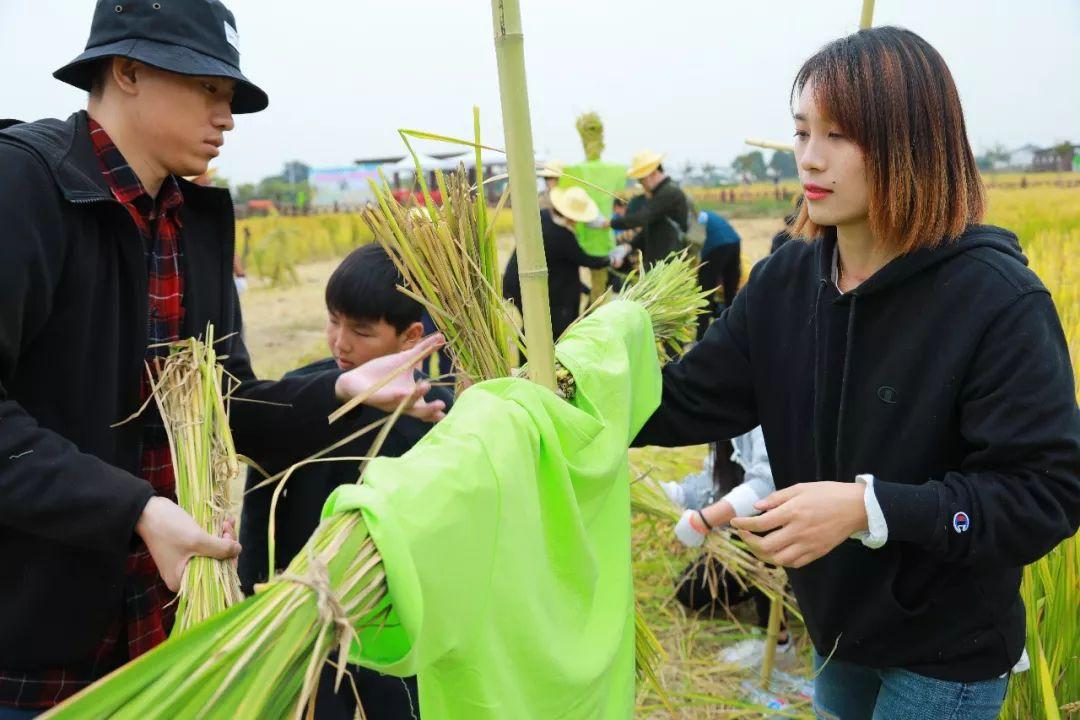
[[915, 391]]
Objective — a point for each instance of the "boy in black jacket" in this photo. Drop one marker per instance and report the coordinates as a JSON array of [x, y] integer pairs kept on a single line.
[[367, 318]]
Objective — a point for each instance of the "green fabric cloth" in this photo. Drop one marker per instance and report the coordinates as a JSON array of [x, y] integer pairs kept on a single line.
[[505, 534], [610, 177]]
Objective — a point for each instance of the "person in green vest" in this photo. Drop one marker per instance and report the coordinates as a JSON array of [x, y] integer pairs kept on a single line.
[[603, 180]]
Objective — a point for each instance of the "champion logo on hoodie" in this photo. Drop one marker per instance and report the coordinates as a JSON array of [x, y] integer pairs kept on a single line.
[[887, 394], [961, 522]]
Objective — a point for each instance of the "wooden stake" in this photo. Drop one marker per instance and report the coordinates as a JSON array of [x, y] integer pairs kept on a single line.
[[521, 161], [599, 280], [771, 637], [866, 20]]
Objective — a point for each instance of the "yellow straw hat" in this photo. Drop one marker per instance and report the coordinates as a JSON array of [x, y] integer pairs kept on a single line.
[[551, 169], [644, 163], [574, 203]]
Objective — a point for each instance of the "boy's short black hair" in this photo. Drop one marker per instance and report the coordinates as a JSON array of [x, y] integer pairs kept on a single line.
[[619, 202], [364, 287]]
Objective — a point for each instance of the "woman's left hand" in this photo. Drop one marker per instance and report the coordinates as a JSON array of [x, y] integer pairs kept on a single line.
[[803, 522]]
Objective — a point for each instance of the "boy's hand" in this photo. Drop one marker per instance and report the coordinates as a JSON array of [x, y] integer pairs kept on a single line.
[[173, 538], [372, 374]]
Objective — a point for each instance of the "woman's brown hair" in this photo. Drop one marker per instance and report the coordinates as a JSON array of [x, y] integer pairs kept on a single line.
[[893, 95]]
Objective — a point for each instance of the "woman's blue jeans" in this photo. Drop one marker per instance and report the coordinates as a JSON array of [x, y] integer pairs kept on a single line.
[[845, 691], [10, 713]]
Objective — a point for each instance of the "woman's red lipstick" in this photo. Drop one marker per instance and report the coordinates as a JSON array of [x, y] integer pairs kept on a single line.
[[815, 192]]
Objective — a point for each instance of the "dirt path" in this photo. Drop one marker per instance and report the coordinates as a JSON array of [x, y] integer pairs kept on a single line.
[[283, 328]]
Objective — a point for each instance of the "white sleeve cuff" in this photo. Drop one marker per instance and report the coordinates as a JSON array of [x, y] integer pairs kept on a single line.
[[742, 499], [686, 533], [877, 533]]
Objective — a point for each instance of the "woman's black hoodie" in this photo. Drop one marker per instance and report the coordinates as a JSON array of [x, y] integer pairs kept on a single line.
[[946, 375]]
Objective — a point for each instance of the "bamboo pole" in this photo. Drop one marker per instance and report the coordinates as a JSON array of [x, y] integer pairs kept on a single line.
[[521, 161], [866, 19], [776, 607], [770, 145]]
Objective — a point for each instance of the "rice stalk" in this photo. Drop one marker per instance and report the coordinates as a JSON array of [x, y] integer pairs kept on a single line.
[[262, 657], [188, 393], [1048, 224]]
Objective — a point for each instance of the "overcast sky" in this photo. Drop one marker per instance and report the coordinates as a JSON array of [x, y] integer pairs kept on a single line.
[[692, 78]]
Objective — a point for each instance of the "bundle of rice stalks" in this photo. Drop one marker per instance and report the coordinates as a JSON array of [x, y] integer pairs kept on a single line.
[[188, 393], [721, 546], [262, 658], [257, 659], [671, 294], [448, 259]]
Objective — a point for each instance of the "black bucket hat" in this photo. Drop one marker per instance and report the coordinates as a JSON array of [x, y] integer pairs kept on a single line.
[[188, 37]]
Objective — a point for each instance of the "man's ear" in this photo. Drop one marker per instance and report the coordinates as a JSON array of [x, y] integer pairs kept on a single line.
[[125, 74], [412, 335]]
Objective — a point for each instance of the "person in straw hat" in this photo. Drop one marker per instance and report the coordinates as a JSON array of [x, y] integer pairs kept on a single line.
[[564, 255], [551, 172], [107, 253], [663, 218]]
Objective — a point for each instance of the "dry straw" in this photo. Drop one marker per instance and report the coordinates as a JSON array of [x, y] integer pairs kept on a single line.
[[188, 393]]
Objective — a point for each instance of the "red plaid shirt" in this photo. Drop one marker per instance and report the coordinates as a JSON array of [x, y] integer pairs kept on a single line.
[[148, 612]]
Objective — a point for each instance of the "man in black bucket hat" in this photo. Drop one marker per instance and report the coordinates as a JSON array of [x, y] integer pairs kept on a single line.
[[106, 252], [187, 37]]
